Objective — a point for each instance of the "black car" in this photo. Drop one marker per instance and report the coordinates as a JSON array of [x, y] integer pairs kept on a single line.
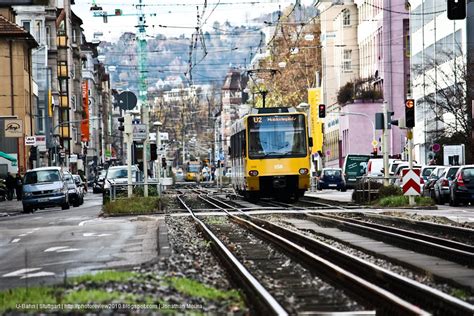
[[462, 187], [441, 186], [332, 178], [98, 186], [428, 187]]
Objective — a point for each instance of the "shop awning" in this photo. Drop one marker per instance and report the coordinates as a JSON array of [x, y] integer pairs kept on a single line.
[[6, 156]]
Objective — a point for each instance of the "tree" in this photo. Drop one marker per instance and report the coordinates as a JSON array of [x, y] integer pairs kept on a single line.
[[294, 59], [448, 89]]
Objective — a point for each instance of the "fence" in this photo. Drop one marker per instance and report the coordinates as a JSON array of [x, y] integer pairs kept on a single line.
[[120, 190], [367, 188]]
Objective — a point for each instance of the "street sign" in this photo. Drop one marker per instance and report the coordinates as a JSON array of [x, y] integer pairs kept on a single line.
[[13, 128], [139, 132], [411, 182], [30, 140], [374, 143], [40, 140], [436, 147]]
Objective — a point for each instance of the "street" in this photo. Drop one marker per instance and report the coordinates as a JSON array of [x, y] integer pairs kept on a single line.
[[49, 245]]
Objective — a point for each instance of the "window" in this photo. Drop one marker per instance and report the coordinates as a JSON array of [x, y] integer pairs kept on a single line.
[[40, 120], [347, 60], [346, 18], [48, 36], [26, 25], [74, 36], [73, 103]]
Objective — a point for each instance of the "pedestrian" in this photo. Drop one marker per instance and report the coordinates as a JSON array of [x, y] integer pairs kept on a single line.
[[10, 183], [18, 186]]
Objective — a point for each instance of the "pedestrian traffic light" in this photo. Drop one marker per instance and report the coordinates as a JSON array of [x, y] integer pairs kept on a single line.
[[163, 162], [322, 111], [410, 113], [456, 9]]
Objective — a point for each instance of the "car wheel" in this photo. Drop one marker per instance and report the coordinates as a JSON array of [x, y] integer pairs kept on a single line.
[[27, 209], [65, 206], [439, 198]]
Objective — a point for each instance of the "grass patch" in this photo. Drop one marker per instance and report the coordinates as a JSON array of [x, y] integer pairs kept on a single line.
[[197, 289], [132, 206], [402, 201], [10, 299], [98, 297], [105, 276]]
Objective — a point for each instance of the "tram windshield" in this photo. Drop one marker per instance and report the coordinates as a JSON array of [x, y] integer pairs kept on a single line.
[[193, 168], [277, 136]]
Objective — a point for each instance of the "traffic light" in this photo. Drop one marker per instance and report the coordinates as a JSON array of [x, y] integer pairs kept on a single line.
[[153, 154], [410, 113], [121, 121], [163, 162], [456, 9], [322, 111], [118, 12]]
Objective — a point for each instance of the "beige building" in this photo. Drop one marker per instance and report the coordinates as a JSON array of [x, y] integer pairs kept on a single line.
[[340, 56], [17, 86]]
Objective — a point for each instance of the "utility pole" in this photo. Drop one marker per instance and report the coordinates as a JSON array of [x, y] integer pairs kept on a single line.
[[128, 139], [142, 86], [385, 145]]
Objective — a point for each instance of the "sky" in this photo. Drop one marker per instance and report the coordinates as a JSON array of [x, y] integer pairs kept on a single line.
[[179, 16]]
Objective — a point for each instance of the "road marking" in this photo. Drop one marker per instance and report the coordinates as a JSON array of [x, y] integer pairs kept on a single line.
[[15, 240], [95, 235], [84, 222], [68, 250], [56, 248], [20, 272], [37, 275]]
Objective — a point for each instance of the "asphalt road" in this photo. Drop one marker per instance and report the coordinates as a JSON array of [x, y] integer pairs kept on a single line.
[[50, 245]]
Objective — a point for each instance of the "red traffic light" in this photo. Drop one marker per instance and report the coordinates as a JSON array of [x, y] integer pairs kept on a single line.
[[322, 111], [409, 103]]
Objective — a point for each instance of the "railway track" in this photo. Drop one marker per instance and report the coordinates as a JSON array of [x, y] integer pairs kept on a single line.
[[432, 300]]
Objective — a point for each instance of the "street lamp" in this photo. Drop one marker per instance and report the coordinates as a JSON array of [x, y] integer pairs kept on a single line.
[[157, 125]]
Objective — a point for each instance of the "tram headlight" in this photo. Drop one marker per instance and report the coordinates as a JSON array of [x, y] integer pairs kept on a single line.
[[303, 171], [253, 173]]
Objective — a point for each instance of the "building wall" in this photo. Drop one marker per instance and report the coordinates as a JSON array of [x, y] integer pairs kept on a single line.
[[21, 83]]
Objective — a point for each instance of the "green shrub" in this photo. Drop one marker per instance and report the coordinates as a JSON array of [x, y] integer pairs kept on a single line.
[[390, 190], [402, 201], [134, 205]]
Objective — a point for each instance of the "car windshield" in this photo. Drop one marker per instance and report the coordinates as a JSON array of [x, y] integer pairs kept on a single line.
[[118, 173], [77, 179], [68, 178], [41, 176], [332, 172], [452, 172], [193, 168], [468, 173], [427, 171], [277, 136]]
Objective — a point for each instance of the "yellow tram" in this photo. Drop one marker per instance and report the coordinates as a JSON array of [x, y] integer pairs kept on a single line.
[[192, 171], [270, 154]]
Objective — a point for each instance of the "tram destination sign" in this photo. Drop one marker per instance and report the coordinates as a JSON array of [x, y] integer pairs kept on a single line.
[[274, 118]]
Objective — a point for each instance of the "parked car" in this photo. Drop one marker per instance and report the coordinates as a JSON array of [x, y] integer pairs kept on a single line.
[[426, 171], [428, 188], [98, 186], [441, 186], [79, 183], [462, 187], [392, 166], [331, 178], [44, 187], [118, 176], [76, 195]]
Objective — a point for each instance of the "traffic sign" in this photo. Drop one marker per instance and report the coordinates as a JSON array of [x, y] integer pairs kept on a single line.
[[436, 147], [139, 132], [374, 143], [30, 140], [411, 182]]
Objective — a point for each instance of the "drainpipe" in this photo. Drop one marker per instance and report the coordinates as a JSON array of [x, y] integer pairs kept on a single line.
[[11, 78]]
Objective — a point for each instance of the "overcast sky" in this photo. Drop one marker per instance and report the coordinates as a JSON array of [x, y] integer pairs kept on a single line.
[[179, 16]]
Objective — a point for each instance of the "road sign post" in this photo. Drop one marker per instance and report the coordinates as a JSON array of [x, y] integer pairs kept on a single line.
[[411, 182]]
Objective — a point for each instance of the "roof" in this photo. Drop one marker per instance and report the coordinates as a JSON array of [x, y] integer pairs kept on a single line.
[[10, 29]]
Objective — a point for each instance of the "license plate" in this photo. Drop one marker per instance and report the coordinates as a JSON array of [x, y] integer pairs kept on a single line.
[[43, 200], [333, 185]]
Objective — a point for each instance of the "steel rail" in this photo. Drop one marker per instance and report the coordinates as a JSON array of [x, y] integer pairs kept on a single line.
[[410, 289], [460, 232], [390, 303], [260, 298], [430, 248], [412, 234]]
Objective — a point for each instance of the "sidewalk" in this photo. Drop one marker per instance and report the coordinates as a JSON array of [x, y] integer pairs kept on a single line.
[[10, 207]]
